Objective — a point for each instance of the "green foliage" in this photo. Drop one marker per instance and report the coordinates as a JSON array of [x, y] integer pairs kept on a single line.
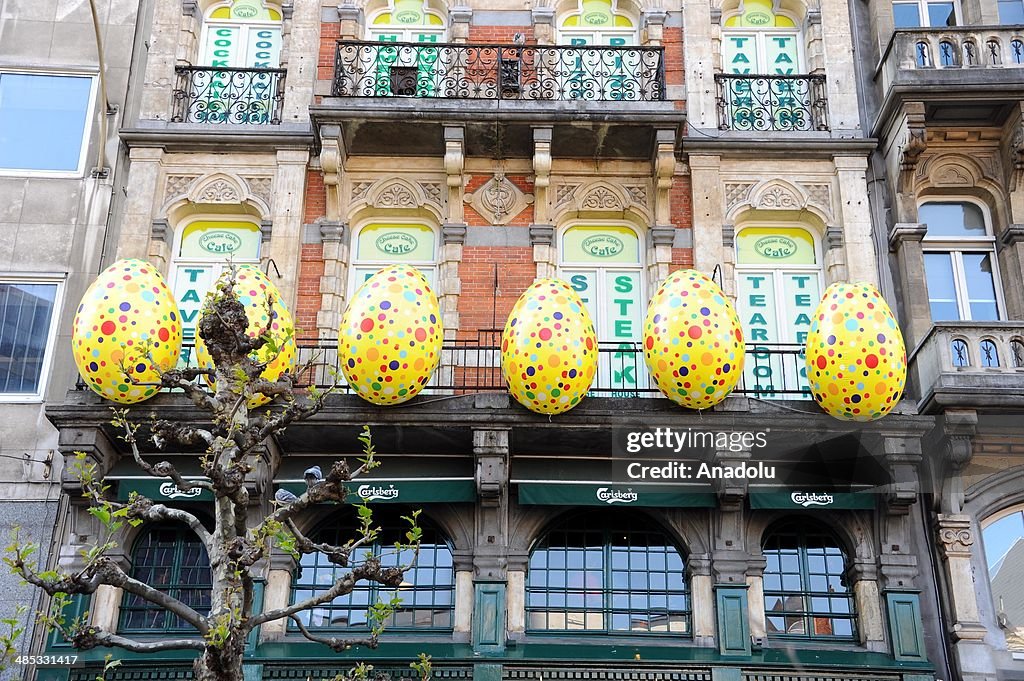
[[423, 667], [108, 665], [9, 635]]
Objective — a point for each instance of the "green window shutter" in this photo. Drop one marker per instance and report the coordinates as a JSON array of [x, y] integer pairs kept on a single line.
[[905, 627], [489, 617], [733, 627]]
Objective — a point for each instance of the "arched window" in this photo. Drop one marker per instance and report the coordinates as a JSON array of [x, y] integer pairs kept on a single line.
[[1003, 536], [598, 22], [241, 34], [172, 559], [805, 589], [406, 71], [960, 262], [779, 282], [604, 265], [202, 250], [407, 21], [427, 594], [607, 573], [758, 40], [380, 244]]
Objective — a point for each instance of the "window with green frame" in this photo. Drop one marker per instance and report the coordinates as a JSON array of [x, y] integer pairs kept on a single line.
[[172, 559], [806, 594], [427, 594], [607, 573]]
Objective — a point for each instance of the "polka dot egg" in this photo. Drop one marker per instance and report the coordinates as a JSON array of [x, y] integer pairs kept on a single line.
[[389, 341], [856, 359], [127, 325], [263, 306], [693, 341], [549, 348]]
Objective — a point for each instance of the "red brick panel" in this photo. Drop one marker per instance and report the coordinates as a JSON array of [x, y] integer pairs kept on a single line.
[[316, 197], [479, 307], [311, 268], [501, 35]]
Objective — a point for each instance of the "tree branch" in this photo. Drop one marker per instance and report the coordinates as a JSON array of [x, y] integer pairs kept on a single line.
[[93, 637], [338, 645], [143, 508], [164, 469]]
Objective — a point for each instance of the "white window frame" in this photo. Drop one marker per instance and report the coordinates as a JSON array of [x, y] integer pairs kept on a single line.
[[761, 37], [244, 27], [59, 280], [956, 247], [355, 262], [177, 263], [407, 34], [90, 122], [922, 12], [597, 37]]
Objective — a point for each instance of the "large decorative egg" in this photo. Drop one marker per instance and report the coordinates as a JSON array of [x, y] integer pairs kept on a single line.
[[263, 304], [389, 341], [127, 325], [549, 348], [693, 341], [856, 359]]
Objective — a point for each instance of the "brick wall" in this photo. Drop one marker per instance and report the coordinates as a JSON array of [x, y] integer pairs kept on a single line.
[[311, 268], [316, 197], [502, 35], [479, 307]]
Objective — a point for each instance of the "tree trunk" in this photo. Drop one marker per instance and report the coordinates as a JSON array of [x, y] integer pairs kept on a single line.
[[221, 664]]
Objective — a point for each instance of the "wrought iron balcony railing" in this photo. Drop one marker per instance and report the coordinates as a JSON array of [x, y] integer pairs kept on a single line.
[[214, 94], [772, 103], [457, 71], [771, 371]]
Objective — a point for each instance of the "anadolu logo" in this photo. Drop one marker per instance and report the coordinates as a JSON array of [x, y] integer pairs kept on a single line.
[[775, 247], [377, 492], [171, 491], [396, 243], [806, 499], [220, 242], [615, 496], [603, 245]]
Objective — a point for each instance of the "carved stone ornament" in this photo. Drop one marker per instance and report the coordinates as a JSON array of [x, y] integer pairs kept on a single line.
[[178, 185], [779, 197], [359, 189], [498, 200], [564, 193], [219, 191], [736, 193], [956, 539], [395, 195], [601, 198], [260, 187]]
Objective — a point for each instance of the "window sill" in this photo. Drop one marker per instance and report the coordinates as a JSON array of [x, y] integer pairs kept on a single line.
[[16, 398]]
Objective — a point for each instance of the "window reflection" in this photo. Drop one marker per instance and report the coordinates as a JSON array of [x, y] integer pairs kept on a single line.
[[1004, 552]]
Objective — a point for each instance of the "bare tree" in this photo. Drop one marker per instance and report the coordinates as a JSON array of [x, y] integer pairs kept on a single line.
[[235, 544]]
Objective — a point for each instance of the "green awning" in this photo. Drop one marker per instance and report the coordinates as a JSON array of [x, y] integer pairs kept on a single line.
[[159, 490], [609, 494], [394, 491], [812, 500]]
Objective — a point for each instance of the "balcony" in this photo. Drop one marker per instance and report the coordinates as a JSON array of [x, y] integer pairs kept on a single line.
[[228, 96], [605, 102], [970, 364], [761, 103], [474, 366], [965, 73], [499, 72]]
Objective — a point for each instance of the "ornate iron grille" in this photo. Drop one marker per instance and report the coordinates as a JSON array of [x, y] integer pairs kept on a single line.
[[772, 103], [450, 71], [207, 94]]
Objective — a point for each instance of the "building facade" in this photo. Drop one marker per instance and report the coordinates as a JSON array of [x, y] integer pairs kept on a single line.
[[607, 143], [61, 177]]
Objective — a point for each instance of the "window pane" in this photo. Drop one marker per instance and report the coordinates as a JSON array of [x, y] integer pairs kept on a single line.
[[953, 219], [906, 15], [42, 121], [25, 315], [1011, 12], [941, 14], [938, 268], [980, 286]]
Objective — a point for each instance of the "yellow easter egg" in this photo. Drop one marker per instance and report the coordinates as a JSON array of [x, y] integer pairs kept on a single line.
[[856, 359], [389, 340], [126, 325], [252, 289], [549, 348], [693, 341]]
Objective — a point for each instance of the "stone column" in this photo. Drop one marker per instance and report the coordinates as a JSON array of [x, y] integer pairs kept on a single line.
[[707, 213], [755, 600], [1011, 267], [863, 574], [333, 283], [285, 245], [699, 58], [841, 76], [459, 17], [660, 265], [544, 25], [542, 240], [277, 594], [855, 214], [449, 284], [161, 58], [137, 223], [302, 55], [541, 172], [905, 241], [702, 600], [490, 557], [348, 16], [955, 539], [835, 255], [516, 595], [463, 565]]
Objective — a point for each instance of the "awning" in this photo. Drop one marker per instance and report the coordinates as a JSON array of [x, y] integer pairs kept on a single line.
[[610, 494], [159, 490], [811, 500], [399, 491]]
